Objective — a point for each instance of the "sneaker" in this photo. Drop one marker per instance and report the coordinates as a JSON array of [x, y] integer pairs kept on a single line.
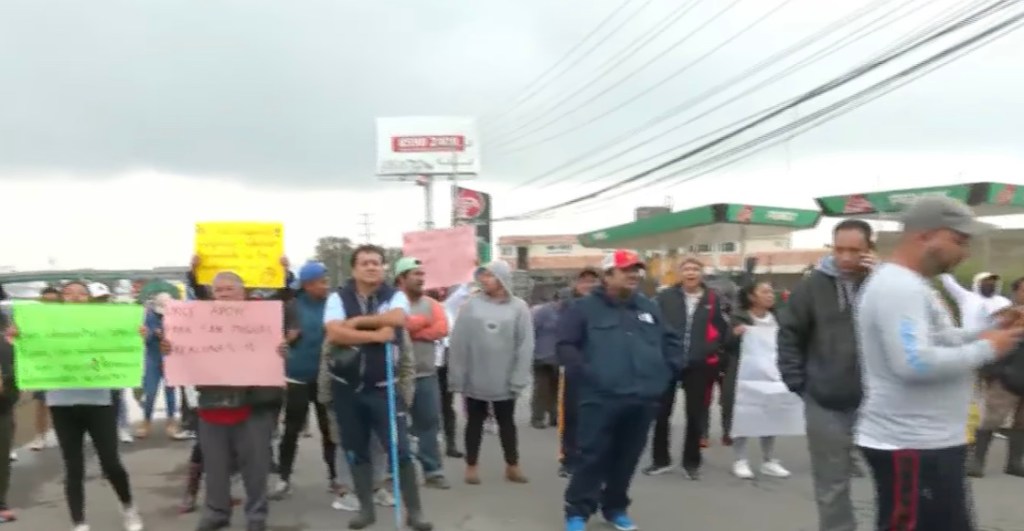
[[81, 527], [281, 490], [575, 523], [383, 498], [132, 520], [125, 436], [346, 502], [692, 473], [657, 470], [621, 521], [184, 435], [437, 482], [37, 444], [14, 456], [741, 469], [774, 469]]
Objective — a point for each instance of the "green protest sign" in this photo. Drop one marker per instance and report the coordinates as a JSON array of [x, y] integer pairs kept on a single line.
[[78, 346]]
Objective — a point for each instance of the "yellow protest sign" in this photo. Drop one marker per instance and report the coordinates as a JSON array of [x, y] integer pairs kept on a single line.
[[251, 249]]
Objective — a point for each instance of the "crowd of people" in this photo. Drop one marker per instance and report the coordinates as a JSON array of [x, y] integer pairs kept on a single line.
[[884, 374]]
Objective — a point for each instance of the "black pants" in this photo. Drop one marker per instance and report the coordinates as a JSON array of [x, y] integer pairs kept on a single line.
[[694, 380], [364, 413], [612, 436], [448, 422], [296, 411], [504, 414], [6, 439], [569, 397], [544, 403], [72, 423], [921, 490]]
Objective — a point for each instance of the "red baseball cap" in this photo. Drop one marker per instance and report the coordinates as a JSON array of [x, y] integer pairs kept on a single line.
[[622, 259]]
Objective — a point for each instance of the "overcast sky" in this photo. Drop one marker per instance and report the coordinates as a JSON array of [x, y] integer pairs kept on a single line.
[[124, 123]]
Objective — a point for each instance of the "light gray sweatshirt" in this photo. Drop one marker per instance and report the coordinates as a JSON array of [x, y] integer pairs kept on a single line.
[[917, 367], [491, 348]]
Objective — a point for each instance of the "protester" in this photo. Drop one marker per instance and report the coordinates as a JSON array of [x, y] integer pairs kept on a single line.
[[42, 413], [453, 301], [979, 304], [544, 403], [918, 373], [8, 398], [818, 360], [361, 319], [236, 424], [568, 401], [426, 324], [624, 356], [77, 412], [304, 318], [491, 353], [153, 374], [1003, 399], [695, 313], [756, 304], [100, 293]]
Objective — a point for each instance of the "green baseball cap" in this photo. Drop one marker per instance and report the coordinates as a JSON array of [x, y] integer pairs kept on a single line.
[[406, 264]]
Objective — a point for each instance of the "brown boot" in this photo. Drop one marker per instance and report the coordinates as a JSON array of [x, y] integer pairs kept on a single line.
[[472, 475], [515, 475]]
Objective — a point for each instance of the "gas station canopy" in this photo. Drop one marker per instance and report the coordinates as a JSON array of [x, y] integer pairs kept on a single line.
[[987, 199], [720, 222]]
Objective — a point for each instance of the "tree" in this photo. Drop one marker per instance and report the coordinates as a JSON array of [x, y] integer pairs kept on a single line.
[[335, 252]]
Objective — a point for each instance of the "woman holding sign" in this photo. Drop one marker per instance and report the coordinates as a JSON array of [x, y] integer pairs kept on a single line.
[[756, 303], [77, 412]]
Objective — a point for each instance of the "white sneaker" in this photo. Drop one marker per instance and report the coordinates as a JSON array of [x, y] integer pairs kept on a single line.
[[125, 436], [14, 455], [184, 435], [281, 490], [383, 498], [37, 444], [346, 502], [774, 469], [741, 469], [132, 520], [81, 527]]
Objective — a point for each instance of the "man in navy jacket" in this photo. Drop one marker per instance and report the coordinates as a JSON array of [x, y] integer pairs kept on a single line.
[[615, 340]]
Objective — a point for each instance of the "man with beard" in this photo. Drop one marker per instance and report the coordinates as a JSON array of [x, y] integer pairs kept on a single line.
[[919, 373], [427, 324], [568, 401], [625, 356]]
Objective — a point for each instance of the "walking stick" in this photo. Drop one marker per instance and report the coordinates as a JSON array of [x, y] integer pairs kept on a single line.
[[393, 435]]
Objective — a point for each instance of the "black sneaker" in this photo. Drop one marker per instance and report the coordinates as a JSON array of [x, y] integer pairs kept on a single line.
[[657, 470]]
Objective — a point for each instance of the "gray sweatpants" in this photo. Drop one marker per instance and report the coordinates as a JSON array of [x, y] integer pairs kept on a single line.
[[248, 445], [830, 441]]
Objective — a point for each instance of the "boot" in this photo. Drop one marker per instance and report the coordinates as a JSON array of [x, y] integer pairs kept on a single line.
[[514, 474], [1015, 453], [362, 479], [976, 465], [195, 475], [411, 497]]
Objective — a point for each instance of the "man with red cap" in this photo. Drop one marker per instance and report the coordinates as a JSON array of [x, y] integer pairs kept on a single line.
[[617, 343]]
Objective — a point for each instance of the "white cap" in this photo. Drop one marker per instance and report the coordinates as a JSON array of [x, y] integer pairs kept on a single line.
[[160, 302], [98, 289]]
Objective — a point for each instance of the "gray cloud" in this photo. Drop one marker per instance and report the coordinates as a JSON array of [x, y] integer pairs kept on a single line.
[[286, 92]]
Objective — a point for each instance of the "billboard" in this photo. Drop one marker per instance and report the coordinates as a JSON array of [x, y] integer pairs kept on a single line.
[[427, 145], [473, 207]]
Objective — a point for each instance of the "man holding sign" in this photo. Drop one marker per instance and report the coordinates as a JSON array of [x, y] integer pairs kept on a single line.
[[361, 321], [237, 412]]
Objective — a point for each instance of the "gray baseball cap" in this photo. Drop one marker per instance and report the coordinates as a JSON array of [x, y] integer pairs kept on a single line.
[[941, 212]]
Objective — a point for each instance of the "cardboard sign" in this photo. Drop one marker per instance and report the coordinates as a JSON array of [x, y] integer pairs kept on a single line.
[[253, 250], [448, 255]]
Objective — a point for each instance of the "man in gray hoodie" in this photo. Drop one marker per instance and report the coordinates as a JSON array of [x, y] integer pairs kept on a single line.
[[489, 364]]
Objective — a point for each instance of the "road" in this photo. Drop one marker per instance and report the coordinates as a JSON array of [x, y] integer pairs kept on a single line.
[[665, 503]]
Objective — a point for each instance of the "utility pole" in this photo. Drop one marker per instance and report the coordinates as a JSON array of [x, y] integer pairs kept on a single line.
[[367, 224]]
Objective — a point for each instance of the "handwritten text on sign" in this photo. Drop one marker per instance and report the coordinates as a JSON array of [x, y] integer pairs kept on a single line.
[[253, 250], [78, 346], [224, 343], [448, 255]]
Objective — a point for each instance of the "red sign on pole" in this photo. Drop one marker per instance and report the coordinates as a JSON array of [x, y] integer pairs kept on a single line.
[[427, 143]]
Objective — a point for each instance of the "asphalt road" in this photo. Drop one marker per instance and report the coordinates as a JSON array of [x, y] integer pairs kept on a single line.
[[665, 503]]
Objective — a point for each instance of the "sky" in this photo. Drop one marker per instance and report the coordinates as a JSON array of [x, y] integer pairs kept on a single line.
[[124, 123]]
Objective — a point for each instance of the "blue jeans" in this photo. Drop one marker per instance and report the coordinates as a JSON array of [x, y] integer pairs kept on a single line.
[[151, 386], [426, 423], [362, 414]]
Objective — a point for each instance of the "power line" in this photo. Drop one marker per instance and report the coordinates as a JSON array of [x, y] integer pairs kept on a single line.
[[779, 109], [718, 89], [636, 45], [529, 93], [622, 80]]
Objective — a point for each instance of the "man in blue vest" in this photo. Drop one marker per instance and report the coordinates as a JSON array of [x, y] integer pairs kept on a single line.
[[361, 319], [617, 343]]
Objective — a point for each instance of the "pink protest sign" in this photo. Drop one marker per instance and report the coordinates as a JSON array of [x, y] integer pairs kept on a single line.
[[448, 255], [224, 343]]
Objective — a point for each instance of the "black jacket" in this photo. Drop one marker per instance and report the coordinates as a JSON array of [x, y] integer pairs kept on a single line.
[[818, 344], [1009, 371], [697, 348]]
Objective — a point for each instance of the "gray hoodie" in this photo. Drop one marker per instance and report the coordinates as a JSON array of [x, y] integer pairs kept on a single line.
[[491, 348]]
